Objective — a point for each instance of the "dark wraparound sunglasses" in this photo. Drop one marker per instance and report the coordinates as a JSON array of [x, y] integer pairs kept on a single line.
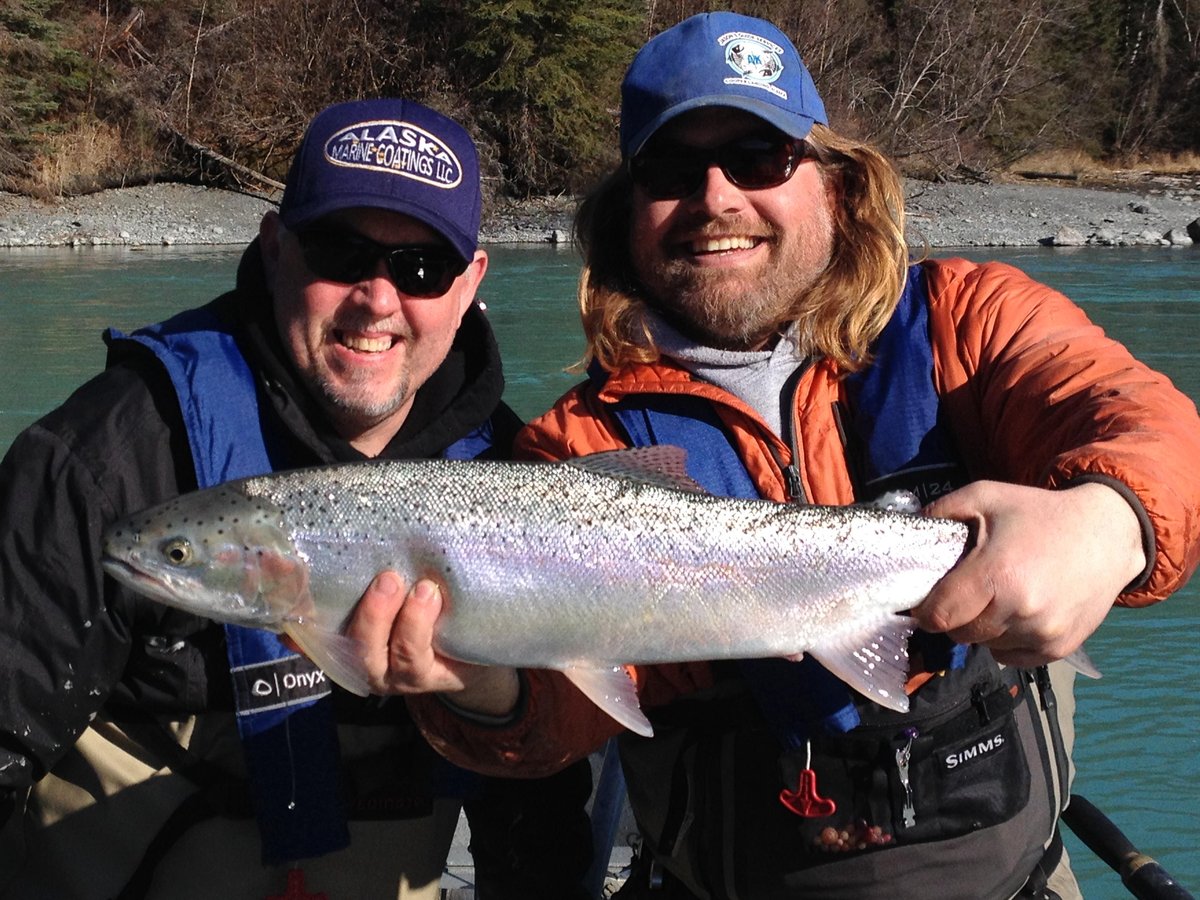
[[674, 171], [418, 270]]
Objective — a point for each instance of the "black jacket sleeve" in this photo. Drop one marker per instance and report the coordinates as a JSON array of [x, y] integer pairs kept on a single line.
[[66, 632]]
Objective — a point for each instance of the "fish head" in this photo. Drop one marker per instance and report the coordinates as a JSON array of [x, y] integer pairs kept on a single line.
[[217, 553]]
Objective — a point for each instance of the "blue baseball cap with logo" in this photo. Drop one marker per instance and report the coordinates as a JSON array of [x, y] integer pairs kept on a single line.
[[717, 59], [387, 154]]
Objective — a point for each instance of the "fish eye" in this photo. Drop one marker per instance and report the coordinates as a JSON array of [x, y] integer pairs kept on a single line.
[[177, 551]]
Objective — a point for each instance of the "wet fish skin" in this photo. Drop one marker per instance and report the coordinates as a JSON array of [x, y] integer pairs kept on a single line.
[[582, 566]]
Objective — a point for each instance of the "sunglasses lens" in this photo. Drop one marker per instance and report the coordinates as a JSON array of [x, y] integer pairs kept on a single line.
[[759, 163], [424, 271], [671, 173], [337, 255], [347, 258], [667, 177]]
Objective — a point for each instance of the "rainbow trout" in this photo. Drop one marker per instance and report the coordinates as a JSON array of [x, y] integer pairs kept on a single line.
[[581, 566]]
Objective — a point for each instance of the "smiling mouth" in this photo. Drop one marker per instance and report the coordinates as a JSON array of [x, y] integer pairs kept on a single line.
[[366, 343], [722, 244]]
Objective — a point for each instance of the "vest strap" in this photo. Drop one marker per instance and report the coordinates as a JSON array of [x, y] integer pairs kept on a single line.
[[897, 436], [284, 711]]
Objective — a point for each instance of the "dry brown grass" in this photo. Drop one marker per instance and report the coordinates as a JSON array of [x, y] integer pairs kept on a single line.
[[88, 156], [1173, 163], [77, 158], [1056, 164], [1077, 165]]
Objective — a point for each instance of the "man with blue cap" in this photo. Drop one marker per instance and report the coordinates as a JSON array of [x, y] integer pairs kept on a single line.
[[149, 753], [747, 294]]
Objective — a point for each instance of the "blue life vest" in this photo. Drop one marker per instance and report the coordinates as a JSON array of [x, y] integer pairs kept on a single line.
[[284, 708], [895, 421]]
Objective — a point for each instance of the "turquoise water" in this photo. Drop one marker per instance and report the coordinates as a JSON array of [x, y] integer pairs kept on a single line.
[[1138, 751]]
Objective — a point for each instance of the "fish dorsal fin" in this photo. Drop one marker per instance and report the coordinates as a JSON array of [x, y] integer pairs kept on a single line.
[[895, 501], [660, 465]]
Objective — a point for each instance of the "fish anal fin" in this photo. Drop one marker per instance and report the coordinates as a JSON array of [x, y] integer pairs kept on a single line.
[[873, 661], [336, 655], [660, 465], [611, 689]]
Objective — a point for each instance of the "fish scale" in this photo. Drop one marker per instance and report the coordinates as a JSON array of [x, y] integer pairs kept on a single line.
[[583, 566]]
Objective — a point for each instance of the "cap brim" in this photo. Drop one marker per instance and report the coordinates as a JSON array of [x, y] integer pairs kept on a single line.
[[792, 124], [305, 214]]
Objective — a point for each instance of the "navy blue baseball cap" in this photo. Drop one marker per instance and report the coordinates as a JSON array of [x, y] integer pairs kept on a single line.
[[717, 59], [387, 154]]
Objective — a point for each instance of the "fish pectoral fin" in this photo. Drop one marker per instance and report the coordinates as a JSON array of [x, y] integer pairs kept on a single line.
[[1082, 663], [336, 655], [613, 690], [873, 661]]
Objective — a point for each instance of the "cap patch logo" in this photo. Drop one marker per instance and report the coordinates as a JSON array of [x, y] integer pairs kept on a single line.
[[395, 148], [756, 60]]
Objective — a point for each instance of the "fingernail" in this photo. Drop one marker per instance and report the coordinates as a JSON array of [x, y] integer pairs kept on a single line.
[[388, 583], [425, 591]]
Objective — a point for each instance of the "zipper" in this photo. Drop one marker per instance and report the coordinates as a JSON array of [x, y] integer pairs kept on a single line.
[[903, 757], [792, 472], [793, 484]]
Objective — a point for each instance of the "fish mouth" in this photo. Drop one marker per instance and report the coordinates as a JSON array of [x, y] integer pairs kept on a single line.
[[133, 577]]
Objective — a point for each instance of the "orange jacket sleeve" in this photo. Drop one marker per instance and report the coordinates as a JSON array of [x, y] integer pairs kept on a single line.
[[1037, 394]]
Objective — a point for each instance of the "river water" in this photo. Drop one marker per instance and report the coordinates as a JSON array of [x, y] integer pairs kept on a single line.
[[1138, 750]]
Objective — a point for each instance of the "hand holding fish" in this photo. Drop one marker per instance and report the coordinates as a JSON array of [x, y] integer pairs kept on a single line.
[[395, 631], [1042, 573]]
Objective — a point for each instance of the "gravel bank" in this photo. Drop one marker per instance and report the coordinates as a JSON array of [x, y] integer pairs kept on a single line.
[[1156, 211], [1159, 211]]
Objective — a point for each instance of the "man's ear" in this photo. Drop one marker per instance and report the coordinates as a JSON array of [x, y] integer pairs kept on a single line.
[[269, 231], [470, 279]]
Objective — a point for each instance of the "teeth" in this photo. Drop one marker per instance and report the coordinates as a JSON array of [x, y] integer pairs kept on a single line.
[[365, 344], [716, 245]]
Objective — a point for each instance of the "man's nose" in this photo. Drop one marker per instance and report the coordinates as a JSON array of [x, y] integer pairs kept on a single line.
[[716, 193], [379, 292]]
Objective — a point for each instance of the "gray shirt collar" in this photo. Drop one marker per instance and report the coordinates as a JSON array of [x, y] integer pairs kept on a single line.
[[759, 378]]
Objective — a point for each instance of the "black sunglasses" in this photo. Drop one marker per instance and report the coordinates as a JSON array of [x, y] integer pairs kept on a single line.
[[674, 171], [418, 270]]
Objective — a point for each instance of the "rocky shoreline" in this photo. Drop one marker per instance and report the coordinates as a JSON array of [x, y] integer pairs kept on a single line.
[[1153, 211]]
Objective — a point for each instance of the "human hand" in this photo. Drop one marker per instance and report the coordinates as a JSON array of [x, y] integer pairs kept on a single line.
[[1042, 573], [396, 632]]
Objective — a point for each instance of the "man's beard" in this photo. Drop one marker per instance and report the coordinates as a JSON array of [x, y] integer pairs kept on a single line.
[[730, 313], [732, 309], [360, 403], [354, 396]]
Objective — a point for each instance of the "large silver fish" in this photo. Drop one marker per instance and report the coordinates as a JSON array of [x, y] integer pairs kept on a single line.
[[579, 566]]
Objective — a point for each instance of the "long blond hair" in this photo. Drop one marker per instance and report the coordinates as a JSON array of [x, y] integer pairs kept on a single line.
[[837, 317]]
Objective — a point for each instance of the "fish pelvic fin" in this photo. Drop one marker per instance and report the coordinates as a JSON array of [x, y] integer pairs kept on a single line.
[[336, 655], [1082, 663], [612, 689], [873, 661]]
